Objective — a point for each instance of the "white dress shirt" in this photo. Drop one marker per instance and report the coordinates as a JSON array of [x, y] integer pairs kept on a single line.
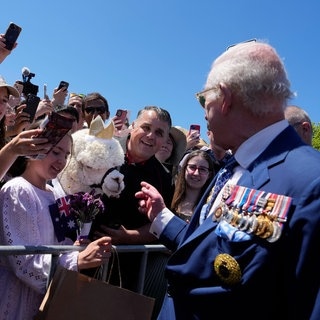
[[248, 151]]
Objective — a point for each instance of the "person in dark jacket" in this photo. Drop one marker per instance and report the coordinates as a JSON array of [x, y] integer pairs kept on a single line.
[[254, 255], [122, 220]]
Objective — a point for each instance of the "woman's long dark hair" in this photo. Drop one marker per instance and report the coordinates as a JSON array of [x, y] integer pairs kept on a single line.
[[180, 184]]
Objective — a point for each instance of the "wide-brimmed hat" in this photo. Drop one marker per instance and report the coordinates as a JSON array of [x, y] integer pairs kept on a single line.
[[179, 145], [13, 91]]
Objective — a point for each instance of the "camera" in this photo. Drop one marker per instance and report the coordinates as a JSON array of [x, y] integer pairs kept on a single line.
[[28, 87]]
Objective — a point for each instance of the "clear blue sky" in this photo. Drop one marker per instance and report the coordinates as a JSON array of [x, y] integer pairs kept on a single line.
[[145, 52]]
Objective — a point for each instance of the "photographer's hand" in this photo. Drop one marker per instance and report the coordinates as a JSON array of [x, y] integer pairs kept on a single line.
[[59, 96], [44, 107], [4, 52], [22, 122], [193, 138], [22, 145]]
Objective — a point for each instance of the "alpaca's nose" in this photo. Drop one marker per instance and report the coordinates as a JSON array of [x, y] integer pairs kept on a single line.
[[118, 180]]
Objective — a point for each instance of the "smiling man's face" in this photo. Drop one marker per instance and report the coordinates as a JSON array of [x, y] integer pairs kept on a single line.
[[149, 133]]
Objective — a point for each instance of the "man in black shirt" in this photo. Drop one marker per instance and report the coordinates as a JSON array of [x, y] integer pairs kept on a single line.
[[122, 220]]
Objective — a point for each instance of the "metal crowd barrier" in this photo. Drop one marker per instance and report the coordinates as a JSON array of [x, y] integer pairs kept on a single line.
[[55, 250]]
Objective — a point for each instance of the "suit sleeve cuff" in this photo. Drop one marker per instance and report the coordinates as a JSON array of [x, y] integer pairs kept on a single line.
[[160, 222]]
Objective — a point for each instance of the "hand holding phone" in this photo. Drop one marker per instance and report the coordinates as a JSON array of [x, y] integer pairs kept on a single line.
[[11, 35], [63, 84], [194, 128], [121, 115], [55, 127]]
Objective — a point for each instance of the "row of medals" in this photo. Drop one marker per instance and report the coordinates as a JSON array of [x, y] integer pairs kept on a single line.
[[260, 223]]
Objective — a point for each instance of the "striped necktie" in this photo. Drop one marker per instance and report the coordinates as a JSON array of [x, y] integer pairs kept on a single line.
[[223, 176]]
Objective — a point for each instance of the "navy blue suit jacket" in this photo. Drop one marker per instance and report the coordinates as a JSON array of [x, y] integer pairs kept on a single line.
[[280, 280]]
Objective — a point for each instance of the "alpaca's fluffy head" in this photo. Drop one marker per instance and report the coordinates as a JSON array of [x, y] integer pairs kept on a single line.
[[91, 164]]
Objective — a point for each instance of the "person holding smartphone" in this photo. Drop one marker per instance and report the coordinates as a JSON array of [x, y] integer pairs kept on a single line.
[[21, 144], [60, 94], [23, 119], [26, 220], [4, 50], [121, 123]]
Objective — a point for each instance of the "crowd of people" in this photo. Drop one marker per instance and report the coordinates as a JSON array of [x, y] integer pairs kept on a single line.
[[243, 240]]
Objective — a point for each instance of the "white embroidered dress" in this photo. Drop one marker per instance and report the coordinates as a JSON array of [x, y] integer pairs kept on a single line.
[[25, 220]]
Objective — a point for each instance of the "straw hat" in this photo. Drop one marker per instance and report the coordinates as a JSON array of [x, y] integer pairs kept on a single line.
[[13, 91], [179, 145]]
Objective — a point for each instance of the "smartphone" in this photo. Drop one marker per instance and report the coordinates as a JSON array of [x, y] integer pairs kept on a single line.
[[11, 35], [194, 128], [32, 102], [45, 95], [64, 84], [121, 115], [55, 127]]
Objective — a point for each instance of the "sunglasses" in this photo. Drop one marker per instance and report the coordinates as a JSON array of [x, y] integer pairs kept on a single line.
[[81, 95], [201, 97], [92, 110], [246, 41]]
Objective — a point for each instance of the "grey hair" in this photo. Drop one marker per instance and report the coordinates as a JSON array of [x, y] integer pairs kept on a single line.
[[295, 114], [259, 80]]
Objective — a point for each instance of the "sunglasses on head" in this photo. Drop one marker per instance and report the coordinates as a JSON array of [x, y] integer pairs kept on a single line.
[[81, 95], [92, 110], [246, 41], [200, 95]]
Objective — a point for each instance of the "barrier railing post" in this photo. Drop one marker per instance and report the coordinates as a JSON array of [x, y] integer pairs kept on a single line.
[[56, 250], [142, 272]]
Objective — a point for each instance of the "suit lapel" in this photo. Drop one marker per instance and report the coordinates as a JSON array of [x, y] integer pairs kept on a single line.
[[256, 176]]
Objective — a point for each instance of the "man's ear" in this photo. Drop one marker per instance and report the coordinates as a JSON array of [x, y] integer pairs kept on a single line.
[[306, 127], [227, 98]]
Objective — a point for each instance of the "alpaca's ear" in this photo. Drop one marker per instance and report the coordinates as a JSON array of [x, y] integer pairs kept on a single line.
[[99, 130]]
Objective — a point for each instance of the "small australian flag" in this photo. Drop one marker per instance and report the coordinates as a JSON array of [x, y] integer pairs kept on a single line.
[[64, 223]]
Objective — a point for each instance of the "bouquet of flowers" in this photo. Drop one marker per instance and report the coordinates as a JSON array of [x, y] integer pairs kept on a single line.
[[84, 207]]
